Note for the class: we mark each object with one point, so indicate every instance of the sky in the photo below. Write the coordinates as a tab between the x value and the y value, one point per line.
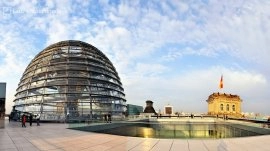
172	52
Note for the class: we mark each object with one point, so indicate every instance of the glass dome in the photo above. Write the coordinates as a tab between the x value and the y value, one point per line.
70	80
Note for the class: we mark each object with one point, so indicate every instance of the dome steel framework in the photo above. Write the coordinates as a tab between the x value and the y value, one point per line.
70	80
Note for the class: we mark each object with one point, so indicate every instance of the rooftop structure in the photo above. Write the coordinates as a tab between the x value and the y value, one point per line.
70	80
149	107
168	110
224	104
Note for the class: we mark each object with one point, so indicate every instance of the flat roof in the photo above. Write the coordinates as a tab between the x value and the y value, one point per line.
56	136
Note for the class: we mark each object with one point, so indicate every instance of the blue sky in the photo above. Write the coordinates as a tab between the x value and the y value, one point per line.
171	51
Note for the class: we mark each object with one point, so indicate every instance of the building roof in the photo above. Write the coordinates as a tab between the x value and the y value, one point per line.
223	95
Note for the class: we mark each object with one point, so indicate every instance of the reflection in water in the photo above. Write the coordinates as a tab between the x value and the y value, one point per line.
145	132
183	130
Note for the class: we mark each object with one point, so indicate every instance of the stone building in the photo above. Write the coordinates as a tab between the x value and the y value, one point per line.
224	104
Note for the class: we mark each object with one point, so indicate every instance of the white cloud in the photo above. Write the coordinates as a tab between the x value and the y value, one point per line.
181	7
14	51
188	92
172	55
148	70
242	29
131	33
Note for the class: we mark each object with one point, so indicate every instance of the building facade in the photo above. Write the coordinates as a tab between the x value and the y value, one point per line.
168	110
134	109
2	103
70	80
224	104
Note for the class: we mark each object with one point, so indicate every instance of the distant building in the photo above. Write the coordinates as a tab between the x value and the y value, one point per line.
149	107
224	104
2	103
168	110
134	109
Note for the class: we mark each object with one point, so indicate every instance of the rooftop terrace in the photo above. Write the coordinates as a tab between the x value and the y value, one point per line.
56	137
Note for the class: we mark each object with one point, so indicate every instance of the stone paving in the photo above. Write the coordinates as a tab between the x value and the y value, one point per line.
54	137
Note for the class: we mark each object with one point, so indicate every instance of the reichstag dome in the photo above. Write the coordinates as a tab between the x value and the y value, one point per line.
70	80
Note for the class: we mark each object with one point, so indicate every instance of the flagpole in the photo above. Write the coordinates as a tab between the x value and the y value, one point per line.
221	84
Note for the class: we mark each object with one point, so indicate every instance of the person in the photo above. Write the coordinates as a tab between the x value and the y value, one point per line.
38	118
9	118
30	119
109	118
105	118
23	120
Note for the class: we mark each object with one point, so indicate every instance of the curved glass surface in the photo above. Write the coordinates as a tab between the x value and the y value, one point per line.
70	80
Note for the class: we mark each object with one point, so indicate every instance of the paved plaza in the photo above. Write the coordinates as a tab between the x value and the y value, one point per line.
56	136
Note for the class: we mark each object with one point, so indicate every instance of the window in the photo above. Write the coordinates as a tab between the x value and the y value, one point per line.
227	107
221	107
233	107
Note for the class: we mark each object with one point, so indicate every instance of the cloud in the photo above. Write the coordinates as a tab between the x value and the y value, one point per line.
146	41
188	91
242	28
172	55
15	52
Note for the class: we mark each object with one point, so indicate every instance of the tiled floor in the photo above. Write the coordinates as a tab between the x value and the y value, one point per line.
56	137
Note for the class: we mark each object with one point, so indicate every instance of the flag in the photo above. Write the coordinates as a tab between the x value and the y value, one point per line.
221	82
